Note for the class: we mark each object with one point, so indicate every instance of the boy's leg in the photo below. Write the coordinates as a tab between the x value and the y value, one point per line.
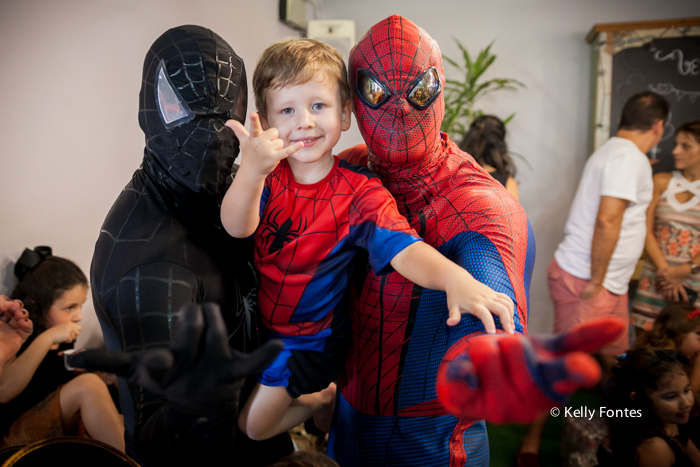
324	416
270	410
86	396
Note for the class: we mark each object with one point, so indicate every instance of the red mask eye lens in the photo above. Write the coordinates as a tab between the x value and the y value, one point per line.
370	89
425	90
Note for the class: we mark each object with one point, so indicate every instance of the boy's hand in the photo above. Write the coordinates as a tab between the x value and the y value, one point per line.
261	151
64	333
479	300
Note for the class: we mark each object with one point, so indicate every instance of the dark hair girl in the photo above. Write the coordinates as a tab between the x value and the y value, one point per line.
486	143
651	397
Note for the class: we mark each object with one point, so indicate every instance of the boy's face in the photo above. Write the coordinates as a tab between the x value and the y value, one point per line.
311	112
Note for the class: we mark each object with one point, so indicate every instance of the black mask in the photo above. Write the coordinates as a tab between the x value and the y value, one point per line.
192	83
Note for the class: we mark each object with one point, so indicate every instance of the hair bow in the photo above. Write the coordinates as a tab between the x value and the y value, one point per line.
29	260
694	314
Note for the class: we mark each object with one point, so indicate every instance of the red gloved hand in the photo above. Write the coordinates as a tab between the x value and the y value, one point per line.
503	378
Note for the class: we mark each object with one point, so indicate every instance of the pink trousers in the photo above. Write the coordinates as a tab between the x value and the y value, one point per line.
570	310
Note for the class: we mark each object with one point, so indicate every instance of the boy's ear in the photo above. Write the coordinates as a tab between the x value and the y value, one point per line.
346	116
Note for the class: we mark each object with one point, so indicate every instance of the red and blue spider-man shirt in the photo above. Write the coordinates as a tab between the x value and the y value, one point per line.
304	246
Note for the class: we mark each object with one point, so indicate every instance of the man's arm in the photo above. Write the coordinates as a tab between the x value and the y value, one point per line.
606	233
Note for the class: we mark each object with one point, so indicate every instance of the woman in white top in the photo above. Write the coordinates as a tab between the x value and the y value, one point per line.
672	270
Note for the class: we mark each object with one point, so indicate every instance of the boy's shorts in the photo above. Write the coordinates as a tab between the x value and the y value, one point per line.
308	364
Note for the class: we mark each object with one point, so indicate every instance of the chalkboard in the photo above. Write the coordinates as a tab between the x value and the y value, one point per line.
670	67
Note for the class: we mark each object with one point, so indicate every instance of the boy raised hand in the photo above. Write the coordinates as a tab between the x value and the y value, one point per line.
261	151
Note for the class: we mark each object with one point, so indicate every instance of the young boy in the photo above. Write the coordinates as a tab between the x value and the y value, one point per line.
310	212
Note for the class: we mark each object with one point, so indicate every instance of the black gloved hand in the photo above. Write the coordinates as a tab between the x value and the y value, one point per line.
199	374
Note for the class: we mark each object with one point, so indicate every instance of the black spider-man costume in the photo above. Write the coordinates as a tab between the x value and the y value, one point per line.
162	247
388	412
305	269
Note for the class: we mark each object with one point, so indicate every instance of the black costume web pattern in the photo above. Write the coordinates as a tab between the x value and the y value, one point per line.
162	245
214	89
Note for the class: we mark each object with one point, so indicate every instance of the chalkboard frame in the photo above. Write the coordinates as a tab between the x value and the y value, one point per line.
608	40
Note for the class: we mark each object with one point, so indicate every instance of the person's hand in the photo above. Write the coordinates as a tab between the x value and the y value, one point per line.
675	293
481	301
591	290
199	375
15	328
261	151
672	275
515	378
63	333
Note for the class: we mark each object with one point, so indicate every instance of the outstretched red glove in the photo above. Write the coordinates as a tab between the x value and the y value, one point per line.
515	378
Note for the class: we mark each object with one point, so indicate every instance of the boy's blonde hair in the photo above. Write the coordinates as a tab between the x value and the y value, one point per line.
297	61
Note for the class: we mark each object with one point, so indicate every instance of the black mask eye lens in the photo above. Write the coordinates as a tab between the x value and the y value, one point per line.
371	90
172	108
426	89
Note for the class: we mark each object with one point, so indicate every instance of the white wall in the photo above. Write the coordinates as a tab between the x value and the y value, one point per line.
541	43
70	72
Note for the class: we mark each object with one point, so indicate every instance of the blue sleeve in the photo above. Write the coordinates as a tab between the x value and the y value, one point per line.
381	243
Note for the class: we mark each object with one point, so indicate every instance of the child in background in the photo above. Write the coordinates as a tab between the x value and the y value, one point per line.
310	213
486	142
39	398
678	328
652	399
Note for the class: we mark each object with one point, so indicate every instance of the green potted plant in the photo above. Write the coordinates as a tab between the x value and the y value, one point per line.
461	95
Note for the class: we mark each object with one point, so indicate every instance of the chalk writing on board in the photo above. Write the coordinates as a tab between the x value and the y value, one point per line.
685	67
631	80
667	88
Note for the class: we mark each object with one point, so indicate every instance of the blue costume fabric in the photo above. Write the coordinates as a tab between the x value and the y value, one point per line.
387	411
304	250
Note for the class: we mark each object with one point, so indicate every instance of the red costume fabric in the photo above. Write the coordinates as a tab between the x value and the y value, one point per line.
304	246
388	412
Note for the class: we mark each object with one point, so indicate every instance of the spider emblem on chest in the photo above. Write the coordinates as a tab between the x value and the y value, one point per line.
277	235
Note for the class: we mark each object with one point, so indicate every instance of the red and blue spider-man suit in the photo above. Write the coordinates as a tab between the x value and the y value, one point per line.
304	247
388	412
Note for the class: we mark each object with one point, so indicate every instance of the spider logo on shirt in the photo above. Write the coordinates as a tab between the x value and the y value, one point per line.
281	234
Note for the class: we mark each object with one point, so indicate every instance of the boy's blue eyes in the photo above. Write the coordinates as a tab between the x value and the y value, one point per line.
289	110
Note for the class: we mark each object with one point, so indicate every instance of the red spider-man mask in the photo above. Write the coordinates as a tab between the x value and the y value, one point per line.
397	75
